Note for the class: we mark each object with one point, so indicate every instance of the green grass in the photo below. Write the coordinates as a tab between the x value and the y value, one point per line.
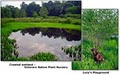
109	50
41	56
7	28
48	19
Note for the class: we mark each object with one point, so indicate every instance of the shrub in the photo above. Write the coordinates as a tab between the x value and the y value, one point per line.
68	20
43	57
76	22
62	16
76	16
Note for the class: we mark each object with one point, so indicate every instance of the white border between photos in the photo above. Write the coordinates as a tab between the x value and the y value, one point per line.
5	69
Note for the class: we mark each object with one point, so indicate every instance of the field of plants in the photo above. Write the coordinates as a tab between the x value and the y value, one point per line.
99	32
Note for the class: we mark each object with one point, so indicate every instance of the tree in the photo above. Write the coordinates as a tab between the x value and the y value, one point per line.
50	8
43	12
34	14
23	6
71	10
99	25
6	12
32	7
15	12
2	12
11	8
22	13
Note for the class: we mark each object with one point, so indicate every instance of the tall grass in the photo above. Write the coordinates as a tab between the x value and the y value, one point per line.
49	19
109	50
41	56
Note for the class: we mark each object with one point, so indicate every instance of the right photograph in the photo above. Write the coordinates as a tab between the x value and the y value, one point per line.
99	47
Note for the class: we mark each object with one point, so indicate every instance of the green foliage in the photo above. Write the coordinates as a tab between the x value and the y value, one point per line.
22	59
43	12
73	10
61	15
31	9
7	48
48	19
102	23
74	52
22	13
56	8
68	20
11	26
50	8
15	13
76	22
109	51
98	27
43	57
35	14
77	16
6	12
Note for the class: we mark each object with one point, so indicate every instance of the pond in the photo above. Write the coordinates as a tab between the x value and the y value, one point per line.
33	40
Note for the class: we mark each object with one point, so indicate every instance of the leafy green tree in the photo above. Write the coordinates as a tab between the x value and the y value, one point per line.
22	13
73	10
11	8
43	12
23	6
15	12
32	7
99	25
56	8
34	14
2	12
6	12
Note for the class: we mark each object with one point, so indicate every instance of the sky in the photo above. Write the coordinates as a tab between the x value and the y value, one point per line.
17	3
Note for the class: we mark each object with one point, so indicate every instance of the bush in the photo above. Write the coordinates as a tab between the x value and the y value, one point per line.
68	20
74	52
76	22
76	16
43	57
61	15
7	49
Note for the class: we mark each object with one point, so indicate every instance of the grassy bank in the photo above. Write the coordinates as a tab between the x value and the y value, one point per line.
68	20
41	56
7	28
8	45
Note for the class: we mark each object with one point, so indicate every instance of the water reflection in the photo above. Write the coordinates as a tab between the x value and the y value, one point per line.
33	40
70	35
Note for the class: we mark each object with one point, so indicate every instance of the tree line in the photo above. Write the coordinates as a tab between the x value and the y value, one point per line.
50	8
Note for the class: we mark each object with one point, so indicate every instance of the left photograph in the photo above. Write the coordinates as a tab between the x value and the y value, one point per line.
41	30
